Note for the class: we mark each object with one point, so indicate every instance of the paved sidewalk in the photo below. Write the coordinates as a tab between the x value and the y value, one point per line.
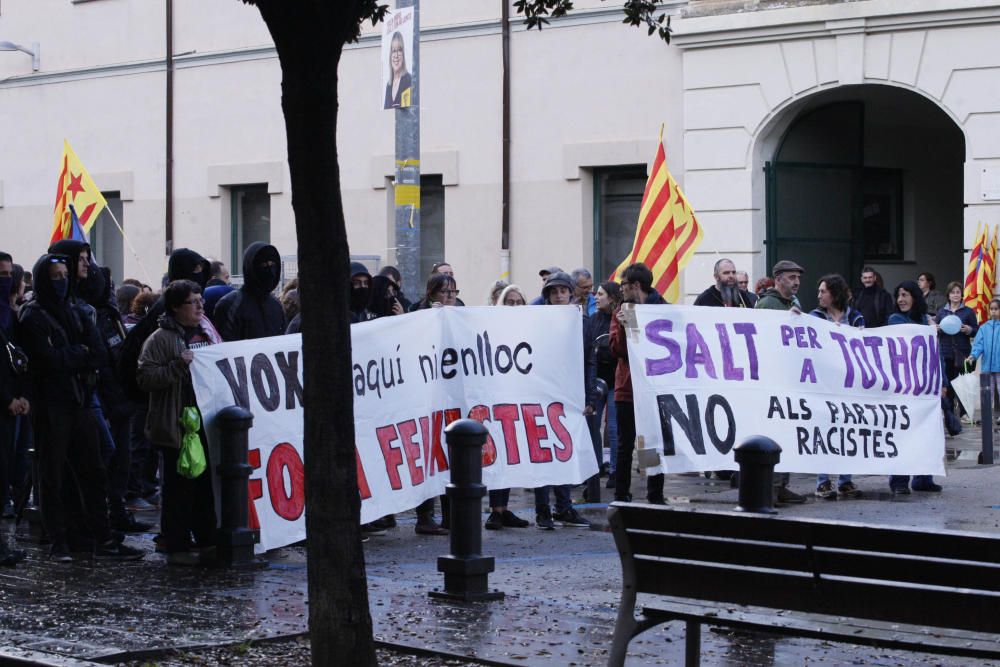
562	589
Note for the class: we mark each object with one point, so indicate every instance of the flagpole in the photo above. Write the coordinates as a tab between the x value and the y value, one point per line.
129	244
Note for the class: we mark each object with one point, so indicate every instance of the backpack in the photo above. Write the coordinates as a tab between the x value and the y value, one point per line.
128	354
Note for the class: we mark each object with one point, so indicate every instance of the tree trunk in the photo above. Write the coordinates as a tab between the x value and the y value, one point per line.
309	36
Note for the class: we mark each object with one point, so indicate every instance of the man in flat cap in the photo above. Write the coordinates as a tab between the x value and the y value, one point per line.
787	278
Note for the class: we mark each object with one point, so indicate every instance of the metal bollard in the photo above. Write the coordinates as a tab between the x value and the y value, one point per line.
235	539
757	456
466	570
986	407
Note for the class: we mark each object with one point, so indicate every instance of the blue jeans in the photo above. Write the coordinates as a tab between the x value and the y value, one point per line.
563	499
612	428
103	432
841	480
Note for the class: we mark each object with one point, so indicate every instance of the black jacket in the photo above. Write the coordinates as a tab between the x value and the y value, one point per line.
184	264
252	311
62	343
12	385
875	304
600	335
713	297
109	325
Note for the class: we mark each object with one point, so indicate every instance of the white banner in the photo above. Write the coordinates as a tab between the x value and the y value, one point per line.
835	398
517	370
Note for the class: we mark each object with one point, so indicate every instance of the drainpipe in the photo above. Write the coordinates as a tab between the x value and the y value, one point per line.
505	177
169	185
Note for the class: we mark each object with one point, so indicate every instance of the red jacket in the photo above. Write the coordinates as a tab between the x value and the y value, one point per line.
619	349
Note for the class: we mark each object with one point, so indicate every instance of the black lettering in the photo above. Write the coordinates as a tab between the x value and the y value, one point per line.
502	367
449	357
802	435
237	381
260	368
517	362
289	369
690	422
723	445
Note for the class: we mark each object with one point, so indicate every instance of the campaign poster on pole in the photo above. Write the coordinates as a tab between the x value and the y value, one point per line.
397	54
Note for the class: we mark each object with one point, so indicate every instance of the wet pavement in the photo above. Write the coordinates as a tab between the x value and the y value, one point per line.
561	587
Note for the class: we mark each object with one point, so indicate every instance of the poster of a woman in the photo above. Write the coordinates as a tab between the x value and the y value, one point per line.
397	51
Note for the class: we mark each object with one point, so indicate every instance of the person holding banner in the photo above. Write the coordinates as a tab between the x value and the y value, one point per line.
910	309
833	295
637	287
726	292
500	517
558	291
188	504
787	279
609	298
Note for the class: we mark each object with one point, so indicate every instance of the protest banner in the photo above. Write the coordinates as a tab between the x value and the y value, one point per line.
519	371
835	398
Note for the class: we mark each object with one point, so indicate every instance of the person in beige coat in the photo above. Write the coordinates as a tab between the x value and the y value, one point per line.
188	504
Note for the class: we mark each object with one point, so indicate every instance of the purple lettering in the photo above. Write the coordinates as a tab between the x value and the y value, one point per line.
748	331
934	363
918	345
848	364
867	372
787	333
808	372
697	353
897	360
874	343
729	370
672	361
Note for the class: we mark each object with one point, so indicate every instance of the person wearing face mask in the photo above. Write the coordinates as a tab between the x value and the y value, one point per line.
253	311
14	405
361	293
66	351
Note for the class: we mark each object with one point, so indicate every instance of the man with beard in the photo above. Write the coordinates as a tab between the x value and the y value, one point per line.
66	351
253	311
725	293
872	301
637	287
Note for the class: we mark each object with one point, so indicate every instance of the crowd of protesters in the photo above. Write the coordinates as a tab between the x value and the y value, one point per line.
96	380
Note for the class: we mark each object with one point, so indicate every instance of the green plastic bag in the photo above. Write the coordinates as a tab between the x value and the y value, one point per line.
191	462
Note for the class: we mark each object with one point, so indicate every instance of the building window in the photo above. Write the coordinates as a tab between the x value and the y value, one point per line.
431	224
617	200
106	240
250	207
883	214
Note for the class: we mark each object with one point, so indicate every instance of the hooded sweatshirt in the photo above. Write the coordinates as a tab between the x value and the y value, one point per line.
772	299
62	343
184	264
253	311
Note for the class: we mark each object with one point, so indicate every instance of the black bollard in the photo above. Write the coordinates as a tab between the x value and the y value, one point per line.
235	539
986	405
757	456
466	570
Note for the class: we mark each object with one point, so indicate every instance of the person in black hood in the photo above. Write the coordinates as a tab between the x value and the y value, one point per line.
361	293
66	351
253	311
14	404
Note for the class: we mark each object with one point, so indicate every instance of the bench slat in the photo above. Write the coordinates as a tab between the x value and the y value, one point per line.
796	591
824	561
831	534
870	633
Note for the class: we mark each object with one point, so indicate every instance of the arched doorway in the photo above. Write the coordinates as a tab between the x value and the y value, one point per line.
867	175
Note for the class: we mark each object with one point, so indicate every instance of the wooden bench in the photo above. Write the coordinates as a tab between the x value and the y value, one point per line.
927	590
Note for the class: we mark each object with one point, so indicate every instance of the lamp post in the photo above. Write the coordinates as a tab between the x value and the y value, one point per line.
33	52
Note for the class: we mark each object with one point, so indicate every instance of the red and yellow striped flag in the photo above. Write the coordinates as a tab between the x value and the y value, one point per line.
667	232
77	188
980	275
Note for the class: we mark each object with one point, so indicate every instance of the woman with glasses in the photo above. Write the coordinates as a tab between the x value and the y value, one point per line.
441	291
188	508
398	89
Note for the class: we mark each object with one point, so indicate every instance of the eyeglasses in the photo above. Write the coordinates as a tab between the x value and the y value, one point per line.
194	302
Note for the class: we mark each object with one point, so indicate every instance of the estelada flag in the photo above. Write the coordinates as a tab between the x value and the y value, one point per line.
76	187
667	232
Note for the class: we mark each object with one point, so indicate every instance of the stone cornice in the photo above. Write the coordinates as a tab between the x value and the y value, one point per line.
830	20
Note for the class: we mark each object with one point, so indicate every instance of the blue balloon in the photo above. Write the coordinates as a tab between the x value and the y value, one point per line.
951	325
